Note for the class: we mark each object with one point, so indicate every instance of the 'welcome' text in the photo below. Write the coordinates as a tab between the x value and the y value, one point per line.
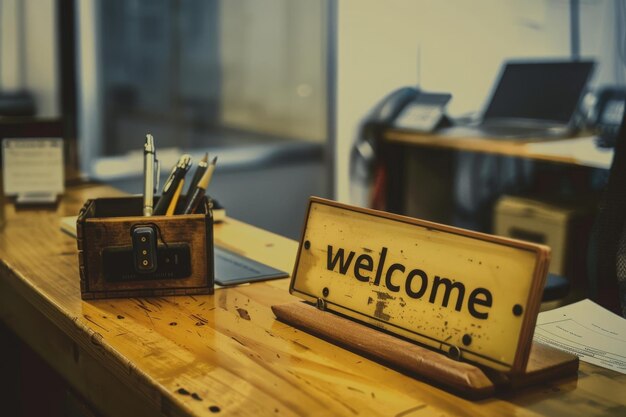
413	283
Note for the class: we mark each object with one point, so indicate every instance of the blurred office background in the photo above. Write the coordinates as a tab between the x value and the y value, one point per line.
278	89
243	80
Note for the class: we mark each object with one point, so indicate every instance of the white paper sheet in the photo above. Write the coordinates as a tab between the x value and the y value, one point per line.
583	150
587	330
33	166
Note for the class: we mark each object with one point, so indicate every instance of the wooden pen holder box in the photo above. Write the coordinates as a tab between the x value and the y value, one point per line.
124	254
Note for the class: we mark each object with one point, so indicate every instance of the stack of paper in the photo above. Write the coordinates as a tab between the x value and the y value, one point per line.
586	330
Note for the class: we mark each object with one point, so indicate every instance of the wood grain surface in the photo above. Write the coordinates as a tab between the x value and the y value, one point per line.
545	362
406	356
224	354
508	147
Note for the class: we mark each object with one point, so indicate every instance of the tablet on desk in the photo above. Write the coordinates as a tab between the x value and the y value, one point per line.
233	269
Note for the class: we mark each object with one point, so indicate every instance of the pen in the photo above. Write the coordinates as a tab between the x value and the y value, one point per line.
200	170
171	185
149	187
200	189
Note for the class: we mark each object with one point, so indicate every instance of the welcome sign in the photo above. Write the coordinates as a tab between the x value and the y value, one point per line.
470	295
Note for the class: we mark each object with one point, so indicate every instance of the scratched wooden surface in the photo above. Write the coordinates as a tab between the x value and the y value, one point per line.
224	354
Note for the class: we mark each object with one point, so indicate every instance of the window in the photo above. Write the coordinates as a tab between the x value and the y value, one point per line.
245	80
201	73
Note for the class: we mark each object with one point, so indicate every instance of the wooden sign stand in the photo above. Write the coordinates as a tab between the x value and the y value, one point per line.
452	306
468	380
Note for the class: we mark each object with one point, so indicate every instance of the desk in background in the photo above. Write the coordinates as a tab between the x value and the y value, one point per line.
395	144
575	151
224	354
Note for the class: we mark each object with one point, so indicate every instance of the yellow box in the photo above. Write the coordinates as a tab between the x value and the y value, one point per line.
541	222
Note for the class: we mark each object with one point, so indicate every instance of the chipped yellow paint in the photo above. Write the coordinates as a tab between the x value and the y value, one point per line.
454	290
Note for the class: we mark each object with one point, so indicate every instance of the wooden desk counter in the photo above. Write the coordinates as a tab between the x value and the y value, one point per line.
223	354
399	147
573	151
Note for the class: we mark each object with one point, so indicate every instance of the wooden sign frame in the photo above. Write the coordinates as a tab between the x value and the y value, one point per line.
540	253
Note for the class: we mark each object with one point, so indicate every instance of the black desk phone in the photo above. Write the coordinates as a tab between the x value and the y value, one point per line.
406	108
607	114
410	108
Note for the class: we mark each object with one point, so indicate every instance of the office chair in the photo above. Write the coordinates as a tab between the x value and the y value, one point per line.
607	257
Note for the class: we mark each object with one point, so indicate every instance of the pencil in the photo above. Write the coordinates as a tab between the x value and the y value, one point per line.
200	190
210	170
200	170
172	207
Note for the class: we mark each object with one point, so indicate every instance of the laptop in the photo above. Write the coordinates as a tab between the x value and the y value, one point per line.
534	100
